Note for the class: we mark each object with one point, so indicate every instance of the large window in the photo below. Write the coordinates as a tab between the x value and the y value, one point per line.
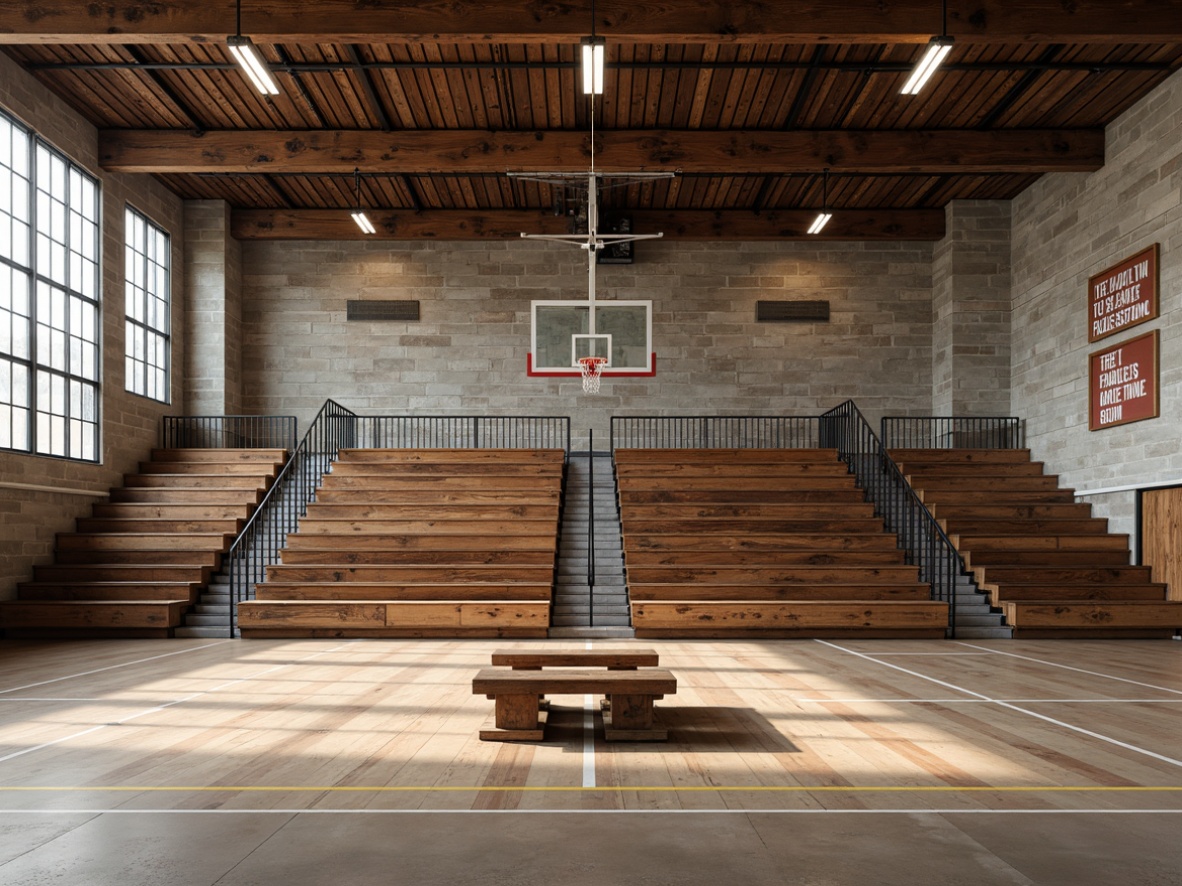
49	299
147	293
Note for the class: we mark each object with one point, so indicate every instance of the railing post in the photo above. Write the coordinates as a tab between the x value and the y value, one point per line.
591	527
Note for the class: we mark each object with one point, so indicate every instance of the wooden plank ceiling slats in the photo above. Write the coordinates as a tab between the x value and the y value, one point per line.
673	86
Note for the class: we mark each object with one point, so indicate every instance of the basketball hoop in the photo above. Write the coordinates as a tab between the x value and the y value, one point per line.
592	368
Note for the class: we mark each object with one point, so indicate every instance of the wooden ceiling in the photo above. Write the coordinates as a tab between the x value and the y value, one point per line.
749	102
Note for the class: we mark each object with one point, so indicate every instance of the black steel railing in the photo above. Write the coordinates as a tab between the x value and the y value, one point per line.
919	535
265	534
228	432
948	432
462	432
714	432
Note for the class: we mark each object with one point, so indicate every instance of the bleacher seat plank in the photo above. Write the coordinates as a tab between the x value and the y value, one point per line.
792	471
109	590
999	496
108	614
758	618
150	525
500	456
1127	614
57	572
181	454
729	483
748	524
721	541
167	496
976	456
629	455
629	496
437	526
399	574
376	513
413	469
772	575
143	541
772	511
811	557
472	618
429	541
830	590
1023	592
222	469
421	591
191	481
211	559
1070	574
438	499
374	485
973	559
334	554
198	511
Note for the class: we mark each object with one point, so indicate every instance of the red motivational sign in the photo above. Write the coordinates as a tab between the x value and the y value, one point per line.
1123	295
1124	383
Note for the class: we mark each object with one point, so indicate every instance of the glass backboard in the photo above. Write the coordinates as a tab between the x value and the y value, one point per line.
563	331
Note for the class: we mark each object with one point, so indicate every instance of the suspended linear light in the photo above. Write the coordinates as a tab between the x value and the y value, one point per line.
934	55
359	215
248	58
932	58
824	215
593	55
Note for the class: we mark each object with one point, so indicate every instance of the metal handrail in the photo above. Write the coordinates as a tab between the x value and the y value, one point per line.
924	543
265	533
714	432
953	432
463	432
228	432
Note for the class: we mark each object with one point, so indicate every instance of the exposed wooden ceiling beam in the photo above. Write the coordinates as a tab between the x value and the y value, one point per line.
336	224
470	151
646	21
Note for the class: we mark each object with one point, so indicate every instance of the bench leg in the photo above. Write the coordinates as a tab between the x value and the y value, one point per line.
517	719
630	718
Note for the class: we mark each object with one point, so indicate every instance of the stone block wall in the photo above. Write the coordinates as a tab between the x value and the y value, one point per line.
1066	228
971	311
213	319
467	354
42	496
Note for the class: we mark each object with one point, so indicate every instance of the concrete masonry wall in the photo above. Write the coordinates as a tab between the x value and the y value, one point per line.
467	354
1066	228
42	496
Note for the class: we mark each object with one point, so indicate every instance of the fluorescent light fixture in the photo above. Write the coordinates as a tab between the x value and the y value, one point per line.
364	223
593	49
820	221
934	55
247	56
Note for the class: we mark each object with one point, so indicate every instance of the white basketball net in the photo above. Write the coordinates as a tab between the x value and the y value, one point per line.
592	368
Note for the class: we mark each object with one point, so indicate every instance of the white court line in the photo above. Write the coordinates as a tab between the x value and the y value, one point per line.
940	654
114	667
533	811
1054	664
987	700
588	737
1012	707
167	705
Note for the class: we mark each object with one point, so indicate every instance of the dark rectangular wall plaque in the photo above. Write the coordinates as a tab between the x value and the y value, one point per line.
792	312
382	310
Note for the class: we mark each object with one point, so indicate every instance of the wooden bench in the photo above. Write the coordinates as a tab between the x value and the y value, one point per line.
630	694
612	659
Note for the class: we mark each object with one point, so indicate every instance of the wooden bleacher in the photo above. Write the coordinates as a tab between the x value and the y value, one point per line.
762	543
1051	567
139	562
419	543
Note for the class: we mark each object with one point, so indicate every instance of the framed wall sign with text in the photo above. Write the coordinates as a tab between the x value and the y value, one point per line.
1123	295
1123	383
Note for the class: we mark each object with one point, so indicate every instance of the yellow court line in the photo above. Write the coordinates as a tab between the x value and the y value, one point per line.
832	789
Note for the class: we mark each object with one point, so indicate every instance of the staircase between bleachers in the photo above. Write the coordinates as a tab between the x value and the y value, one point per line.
580	609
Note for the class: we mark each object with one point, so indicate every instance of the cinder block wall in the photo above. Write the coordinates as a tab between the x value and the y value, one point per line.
1066	228
467	354
42	496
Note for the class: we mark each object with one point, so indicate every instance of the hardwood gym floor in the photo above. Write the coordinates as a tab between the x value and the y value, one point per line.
813	762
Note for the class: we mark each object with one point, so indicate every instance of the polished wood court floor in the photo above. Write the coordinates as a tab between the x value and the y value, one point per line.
314	761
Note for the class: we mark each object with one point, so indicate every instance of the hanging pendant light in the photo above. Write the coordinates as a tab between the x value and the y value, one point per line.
824	215
249	59
359	215
937	50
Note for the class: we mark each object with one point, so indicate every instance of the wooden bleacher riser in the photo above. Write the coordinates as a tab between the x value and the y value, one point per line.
419	543
762	543
1052	569
141	560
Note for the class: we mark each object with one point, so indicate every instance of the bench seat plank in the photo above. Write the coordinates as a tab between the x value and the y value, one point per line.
612	659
